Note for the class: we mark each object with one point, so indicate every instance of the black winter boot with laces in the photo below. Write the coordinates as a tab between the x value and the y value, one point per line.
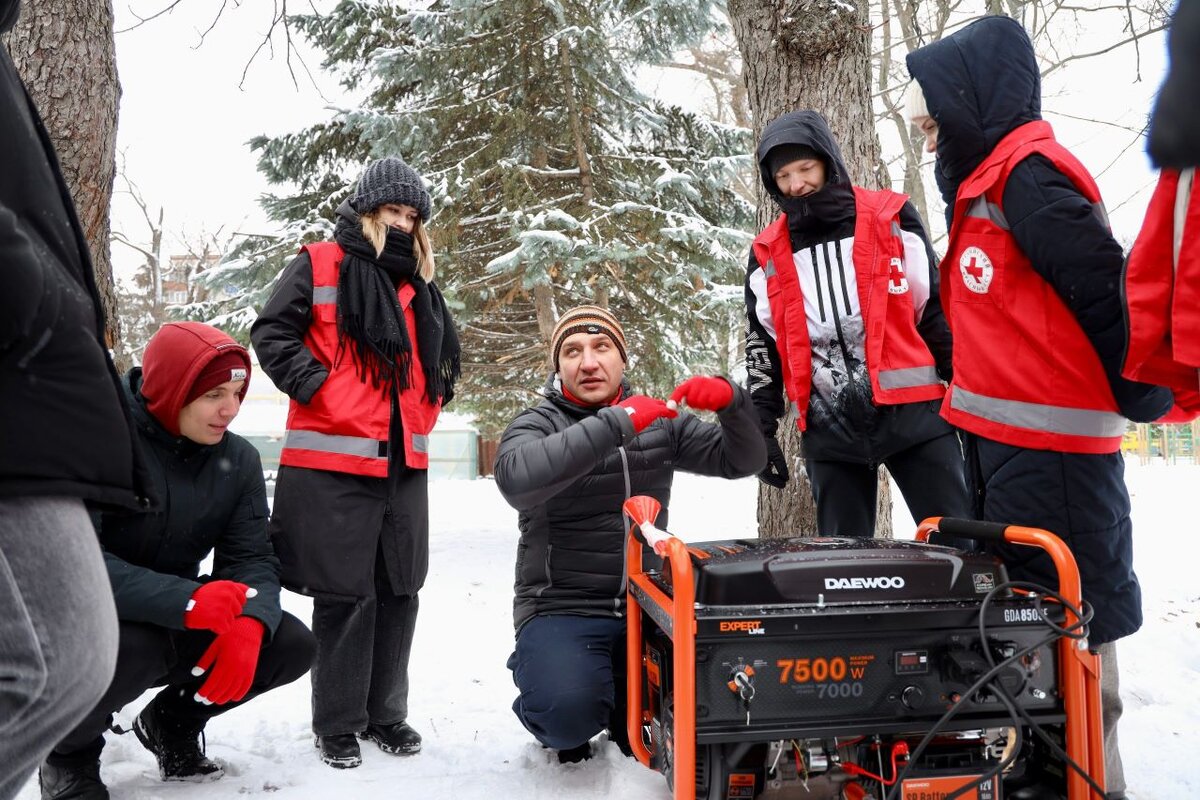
176	743
67	779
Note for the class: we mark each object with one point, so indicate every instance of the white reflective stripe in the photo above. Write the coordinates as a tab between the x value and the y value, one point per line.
420	443
1039	417
769	269
324	295
907	378
980	208
1183	193
359	446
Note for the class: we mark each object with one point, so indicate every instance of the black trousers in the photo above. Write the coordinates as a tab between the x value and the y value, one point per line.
931	476
360	675
149	655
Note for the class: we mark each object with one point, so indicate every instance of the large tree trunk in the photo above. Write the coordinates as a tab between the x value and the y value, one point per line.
65	53
799	54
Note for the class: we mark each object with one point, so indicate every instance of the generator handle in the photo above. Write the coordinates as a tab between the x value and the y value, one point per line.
965	528
679	607
1079	668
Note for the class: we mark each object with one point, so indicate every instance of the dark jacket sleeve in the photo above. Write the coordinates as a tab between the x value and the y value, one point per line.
143	595
731	448
932	326
278	333
1071	247
764	373
243	552
534	463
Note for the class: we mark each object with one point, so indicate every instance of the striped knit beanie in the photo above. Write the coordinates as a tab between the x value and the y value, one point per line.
587	319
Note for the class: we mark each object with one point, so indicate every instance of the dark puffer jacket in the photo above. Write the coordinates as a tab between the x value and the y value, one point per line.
212	498
567	470
62	424
976	105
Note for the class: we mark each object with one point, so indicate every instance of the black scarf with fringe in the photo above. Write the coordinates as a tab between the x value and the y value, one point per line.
371	323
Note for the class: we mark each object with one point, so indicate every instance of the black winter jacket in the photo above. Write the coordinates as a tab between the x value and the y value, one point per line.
63	426
212	499
1055	226
1175	125
844	424
568	469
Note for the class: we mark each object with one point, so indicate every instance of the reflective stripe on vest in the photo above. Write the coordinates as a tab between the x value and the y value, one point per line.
980	208
1039	417
907	378
769	269
420	443
324	295
357	446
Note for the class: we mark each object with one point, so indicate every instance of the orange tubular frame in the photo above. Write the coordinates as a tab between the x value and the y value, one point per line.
1078	667
680	609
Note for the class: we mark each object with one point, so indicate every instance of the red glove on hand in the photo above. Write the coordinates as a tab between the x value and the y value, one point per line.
214	606
643	410
233	656
705	393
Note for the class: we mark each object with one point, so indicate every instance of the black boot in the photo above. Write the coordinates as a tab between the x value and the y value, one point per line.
399	739
175	742
574	755
340	751
72	780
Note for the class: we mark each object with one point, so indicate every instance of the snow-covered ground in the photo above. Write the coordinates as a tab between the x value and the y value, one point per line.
461	691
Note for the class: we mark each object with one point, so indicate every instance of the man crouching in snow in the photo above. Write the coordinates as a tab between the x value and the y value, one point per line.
566	465
213	643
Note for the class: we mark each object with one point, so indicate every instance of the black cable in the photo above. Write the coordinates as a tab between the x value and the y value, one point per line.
1069	632
1009	706
958	706
1076	630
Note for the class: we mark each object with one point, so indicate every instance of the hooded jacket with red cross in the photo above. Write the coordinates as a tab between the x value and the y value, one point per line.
842	311
1026	372
336	421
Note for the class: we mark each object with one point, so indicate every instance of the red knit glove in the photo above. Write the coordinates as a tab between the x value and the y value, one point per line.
643	410
214	606
233	656
705	393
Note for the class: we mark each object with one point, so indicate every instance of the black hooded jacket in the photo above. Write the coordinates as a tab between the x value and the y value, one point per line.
980	84
212	500
568	469
844	424
64	428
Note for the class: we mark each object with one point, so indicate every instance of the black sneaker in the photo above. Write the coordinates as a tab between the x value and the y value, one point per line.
574	755
177	745
399	739
67	780
340	750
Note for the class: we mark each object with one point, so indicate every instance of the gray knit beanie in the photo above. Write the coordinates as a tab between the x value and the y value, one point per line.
390	180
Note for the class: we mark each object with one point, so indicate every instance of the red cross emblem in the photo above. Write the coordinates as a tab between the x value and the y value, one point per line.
897	282
976	269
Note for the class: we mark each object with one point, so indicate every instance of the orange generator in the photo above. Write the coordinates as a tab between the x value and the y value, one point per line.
859	668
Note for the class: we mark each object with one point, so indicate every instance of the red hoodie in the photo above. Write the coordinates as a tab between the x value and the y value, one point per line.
174	359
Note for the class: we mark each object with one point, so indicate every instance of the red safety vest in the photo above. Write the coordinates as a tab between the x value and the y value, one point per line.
1162	294
345	426
898	360
1025	373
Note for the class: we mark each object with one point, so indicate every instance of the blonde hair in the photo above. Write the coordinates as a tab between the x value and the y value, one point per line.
376	233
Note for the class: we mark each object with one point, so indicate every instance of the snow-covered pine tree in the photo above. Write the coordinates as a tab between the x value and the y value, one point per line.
555	179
